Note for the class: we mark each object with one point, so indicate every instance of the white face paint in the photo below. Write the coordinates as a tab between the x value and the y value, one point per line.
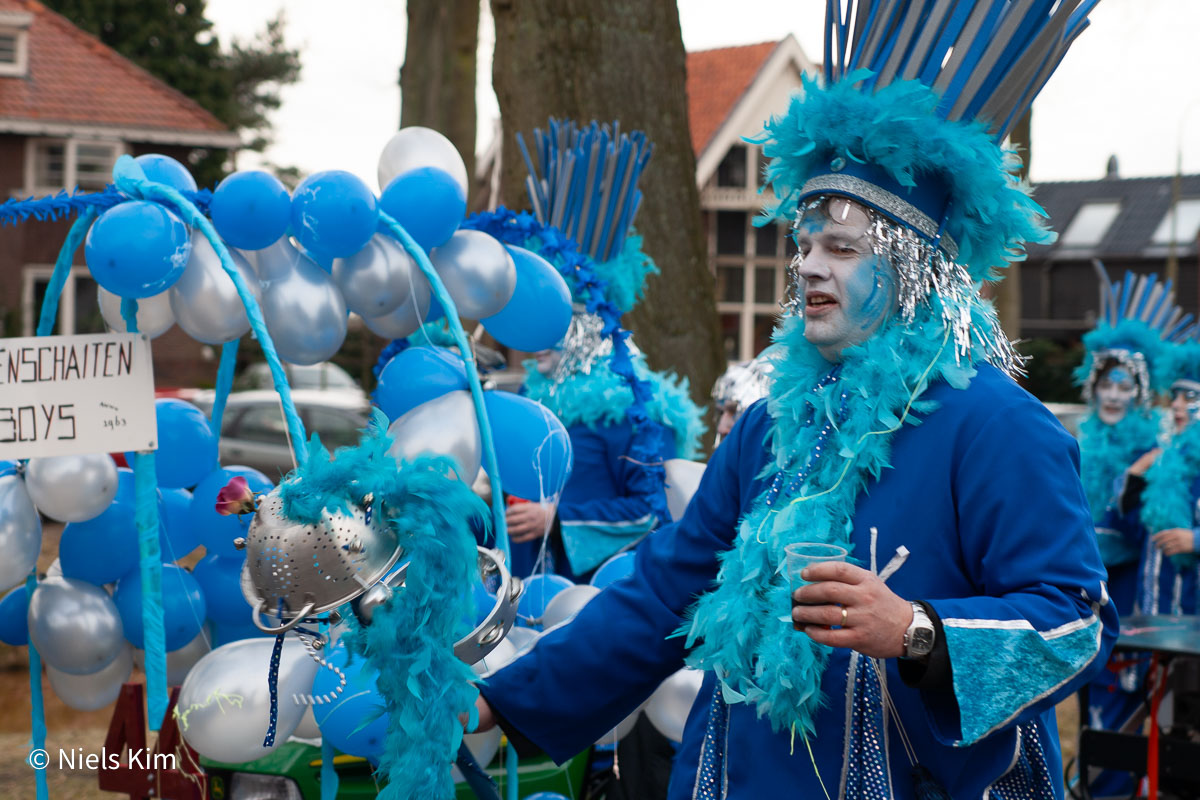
547	360
1115	391
1185	403
848	290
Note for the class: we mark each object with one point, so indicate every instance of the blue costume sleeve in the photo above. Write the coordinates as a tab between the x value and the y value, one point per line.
582	679
596	526
1041	617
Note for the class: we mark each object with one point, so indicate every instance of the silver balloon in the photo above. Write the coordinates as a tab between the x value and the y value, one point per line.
501	654
416	147
522	638
304	311
97	689
55	569
307	729
154	314
445	425
483	747
20	532
75	626
563	607
224	704
72	488
377	279
669	706
274	262
478	272
622	729
204	299
682	480
181	661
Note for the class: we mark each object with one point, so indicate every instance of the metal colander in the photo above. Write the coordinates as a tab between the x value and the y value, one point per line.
295	570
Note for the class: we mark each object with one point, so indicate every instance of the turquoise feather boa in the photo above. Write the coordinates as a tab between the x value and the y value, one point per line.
602	397
739	630
1167	499
1106	451
410	640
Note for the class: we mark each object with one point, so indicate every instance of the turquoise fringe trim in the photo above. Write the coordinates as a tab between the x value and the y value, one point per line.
1106	451
602	397
736	629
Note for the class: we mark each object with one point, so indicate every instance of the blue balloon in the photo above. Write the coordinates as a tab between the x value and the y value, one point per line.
546	796
539	313
14	621
214	531
187	445
417	375
164	169
614	569
220	579
224	633
182	602
176	538
533	450
137	249
427	202
251	209
102	549
334	214
355	722
539	590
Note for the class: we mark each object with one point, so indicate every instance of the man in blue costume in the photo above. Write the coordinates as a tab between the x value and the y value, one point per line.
741	385
977	600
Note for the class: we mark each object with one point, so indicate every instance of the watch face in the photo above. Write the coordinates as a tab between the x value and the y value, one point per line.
921	643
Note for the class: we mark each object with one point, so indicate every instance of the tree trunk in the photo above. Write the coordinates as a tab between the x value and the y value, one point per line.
437	81
620	60
1008	292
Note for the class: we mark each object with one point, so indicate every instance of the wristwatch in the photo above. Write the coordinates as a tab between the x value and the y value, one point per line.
918	639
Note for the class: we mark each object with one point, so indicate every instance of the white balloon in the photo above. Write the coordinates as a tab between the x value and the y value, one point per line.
154	315
672	701
204	299
416	147
94	690
307	729
224	704
75	626
445	425
303	309
478	272
181	661
55	569
563	607
503	653
72	488
683	478
522	638
377	279
622	729
483	747
20	532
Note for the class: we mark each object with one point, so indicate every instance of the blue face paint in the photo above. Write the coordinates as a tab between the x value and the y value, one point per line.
874	280
1119	375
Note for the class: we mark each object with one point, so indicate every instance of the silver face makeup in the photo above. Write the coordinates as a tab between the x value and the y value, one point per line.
1185	403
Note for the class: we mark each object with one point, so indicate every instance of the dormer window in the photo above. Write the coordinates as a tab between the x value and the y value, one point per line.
14	43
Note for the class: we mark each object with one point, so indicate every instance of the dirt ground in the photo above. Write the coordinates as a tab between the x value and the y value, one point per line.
69	729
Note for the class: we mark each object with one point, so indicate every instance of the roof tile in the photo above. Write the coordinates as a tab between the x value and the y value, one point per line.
716	80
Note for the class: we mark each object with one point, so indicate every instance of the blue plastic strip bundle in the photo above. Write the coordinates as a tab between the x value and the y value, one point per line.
62	205
146	519
329	776
37	712
62	271
510	765
460	338
579	272
132	181
225	372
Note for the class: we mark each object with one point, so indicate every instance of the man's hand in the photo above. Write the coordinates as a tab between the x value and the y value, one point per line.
487	720
1142	464
528	521
871	617
1174	541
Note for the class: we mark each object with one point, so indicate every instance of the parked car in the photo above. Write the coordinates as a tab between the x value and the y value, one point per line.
325	376
1069	414
254	434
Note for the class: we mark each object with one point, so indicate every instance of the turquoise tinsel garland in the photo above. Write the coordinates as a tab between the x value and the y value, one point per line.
762	661
1167	499
1106	451
602	397
410	640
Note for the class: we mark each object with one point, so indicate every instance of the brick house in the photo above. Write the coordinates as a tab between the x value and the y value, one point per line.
69	107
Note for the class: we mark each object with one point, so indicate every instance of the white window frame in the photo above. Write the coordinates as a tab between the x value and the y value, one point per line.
31	312
71	147
19	67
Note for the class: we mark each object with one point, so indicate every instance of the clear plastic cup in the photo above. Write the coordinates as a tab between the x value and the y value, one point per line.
802	554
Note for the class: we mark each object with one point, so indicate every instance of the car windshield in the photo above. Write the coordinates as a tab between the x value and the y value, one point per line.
318	376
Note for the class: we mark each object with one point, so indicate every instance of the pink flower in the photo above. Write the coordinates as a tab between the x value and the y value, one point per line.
235	498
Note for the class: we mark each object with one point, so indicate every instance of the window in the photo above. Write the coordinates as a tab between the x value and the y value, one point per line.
78	305
336	428
731	232
56	164
14	53
731	172
731	284
8	47
1090	223
262	424
1186	225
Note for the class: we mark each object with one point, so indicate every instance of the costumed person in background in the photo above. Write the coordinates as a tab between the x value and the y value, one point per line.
742	385
1121	375
980	600
624	419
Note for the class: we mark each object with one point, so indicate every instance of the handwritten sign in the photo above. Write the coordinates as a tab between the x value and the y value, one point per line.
65	395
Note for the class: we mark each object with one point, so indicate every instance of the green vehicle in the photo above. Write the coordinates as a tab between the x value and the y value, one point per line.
293	772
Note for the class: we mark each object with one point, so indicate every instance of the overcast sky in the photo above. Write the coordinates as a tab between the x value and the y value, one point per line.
1129	86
